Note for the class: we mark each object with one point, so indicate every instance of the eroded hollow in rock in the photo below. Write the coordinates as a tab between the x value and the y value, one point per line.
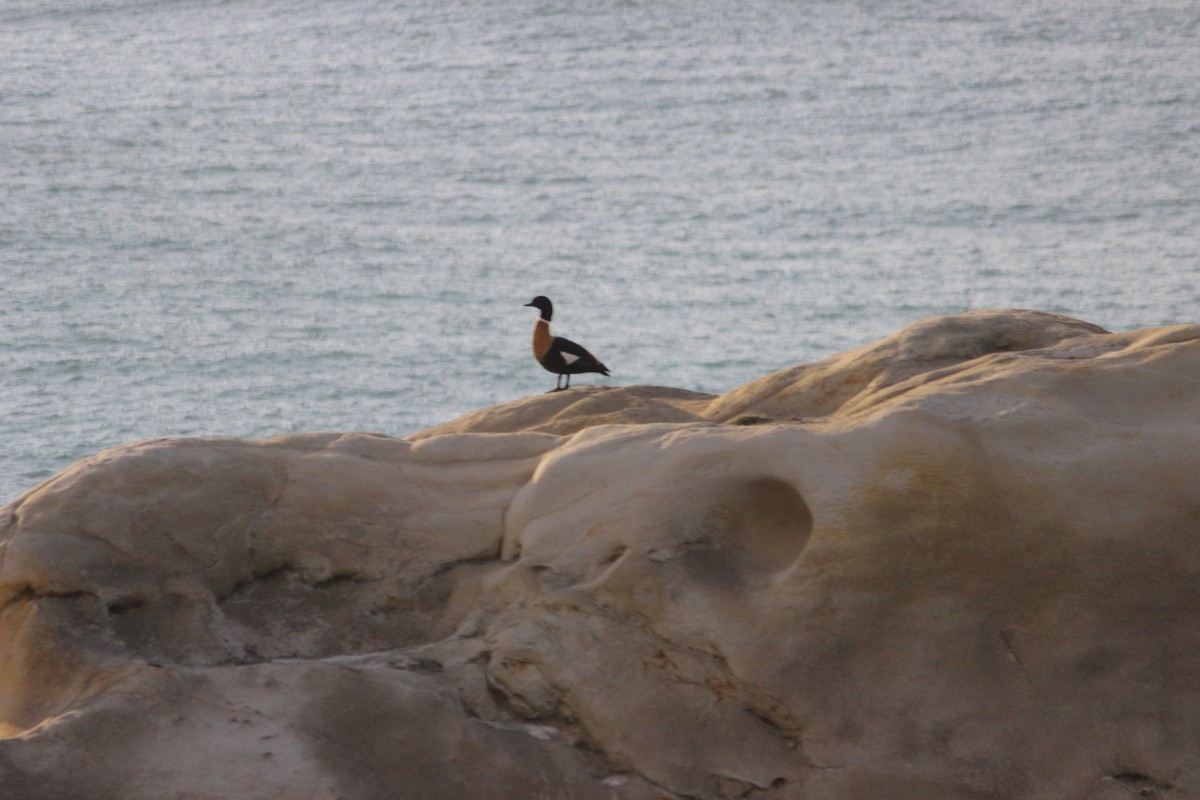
754	527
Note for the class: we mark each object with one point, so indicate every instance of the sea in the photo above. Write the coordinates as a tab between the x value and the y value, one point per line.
255	217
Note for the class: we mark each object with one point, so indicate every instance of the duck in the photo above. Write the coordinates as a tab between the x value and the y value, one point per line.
558	355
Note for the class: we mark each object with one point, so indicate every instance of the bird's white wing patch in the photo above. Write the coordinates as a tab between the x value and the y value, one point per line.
570	358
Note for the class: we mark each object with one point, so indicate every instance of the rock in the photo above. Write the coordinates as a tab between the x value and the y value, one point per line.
955	563
583	407
920	354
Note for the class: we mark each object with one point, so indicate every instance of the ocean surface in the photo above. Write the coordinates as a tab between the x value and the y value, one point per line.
254	217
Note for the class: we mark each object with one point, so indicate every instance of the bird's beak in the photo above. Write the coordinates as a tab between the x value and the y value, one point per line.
528	305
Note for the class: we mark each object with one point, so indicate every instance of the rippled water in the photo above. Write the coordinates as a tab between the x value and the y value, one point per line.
246	218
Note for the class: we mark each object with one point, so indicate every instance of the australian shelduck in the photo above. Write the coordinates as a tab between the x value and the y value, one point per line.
558	355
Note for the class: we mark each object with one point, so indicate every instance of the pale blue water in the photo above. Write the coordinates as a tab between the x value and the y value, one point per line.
247	218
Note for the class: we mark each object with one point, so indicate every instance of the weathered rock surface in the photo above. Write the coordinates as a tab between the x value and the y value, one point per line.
961	562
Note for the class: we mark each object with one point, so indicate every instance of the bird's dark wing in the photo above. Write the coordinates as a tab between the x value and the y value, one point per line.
574	357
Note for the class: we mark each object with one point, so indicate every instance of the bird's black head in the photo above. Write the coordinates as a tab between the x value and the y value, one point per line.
543	305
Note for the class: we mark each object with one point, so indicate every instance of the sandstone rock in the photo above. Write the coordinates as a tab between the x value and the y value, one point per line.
959	563
583	407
